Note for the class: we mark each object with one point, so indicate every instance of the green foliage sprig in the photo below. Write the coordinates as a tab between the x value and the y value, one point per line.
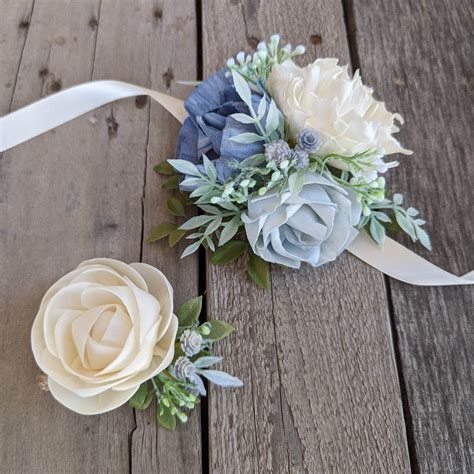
178	388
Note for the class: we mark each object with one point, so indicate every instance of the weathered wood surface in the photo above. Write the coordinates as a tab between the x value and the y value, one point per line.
317	352
321	388
418	57
79	192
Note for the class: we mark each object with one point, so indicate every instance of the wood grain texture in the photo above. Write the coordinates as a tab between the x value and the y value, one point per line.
418	57
321	391
75	193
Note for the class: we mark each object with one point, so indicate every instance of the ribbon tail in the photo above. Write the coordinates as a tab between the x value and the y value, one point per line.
52	111
398	262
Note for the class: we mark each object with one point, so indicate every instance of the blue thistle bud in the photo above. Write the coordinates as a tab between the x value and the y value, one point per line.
301	158
309	140
277	151
184	369
190	342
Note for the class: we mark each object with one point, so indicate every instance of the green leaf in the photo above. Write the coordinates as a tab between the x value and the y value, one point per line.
243	118
141	398
229	252
273	118
424	238
296	181
377	231
259	271
213	226
253	161
191	249
189	312
164	168
196	221
210	168
397	199
165	418
242	88
160	232
262	107
171	183
175	207
219	330
247	138
405	224
184	167
229	230
175	237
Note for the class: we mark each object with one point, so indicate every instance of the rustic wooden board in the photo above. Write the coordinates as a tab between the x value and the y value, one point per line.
418	57
321	389
79	192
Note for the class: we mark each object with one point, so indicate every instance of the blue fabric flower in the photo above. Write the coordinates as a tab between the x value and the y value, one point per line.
209	128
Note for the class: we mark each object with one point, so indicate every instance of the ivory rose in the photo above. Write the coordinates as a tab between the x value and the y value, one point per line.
349	120
101	331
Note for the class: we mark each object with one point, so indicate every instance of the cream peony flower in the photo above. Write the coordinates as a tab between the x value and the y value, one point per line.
101	331
322	96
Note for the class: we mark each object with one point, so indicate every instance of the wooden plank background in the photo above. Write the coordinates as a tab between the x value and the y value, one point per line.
345	370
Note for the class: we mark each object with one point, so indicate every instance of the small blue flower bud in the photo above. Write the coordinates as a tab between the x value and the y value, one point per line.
300	49
262	46
230	62
277	151
308	140
240	57
275	39
301	158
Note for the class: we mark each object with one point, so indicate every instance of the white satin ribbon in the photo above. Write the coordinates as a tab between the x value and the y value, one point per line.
24	124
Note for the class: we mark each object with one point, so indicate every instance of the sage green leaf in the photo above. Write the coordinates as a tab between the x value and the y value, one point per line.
253	161
191	249
377	231
184	167
171	183
219	330
243	118
242	88
296	182
213	226
139	398
229	230
247	138
176	236
175	207
259	271
273	118
405	224
210	168
424	238
196	221
228	253
262	107
164	168
165	418
189	312
160	232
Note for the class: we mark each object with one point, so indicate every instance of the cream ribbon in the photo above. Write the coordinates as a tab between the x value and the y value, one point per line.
24	124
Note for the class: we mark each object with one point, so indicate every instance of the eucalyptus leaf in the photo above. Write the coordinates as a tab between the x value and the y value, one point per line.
273	118
191	249
210	168
206	361
243	118
377	231
160	232
229	230
259	271
219	330
424	238
229	252
164	168
242	88
223	379
175	207
247	138
196	221
189	312
185	167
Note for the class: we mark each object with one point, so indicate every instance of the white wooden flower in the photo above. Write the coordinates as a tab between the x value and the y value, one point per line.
349	120
101	331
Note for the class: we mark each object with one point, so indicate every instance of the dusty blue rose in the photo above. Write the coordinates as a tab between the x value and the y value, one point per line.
209	128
